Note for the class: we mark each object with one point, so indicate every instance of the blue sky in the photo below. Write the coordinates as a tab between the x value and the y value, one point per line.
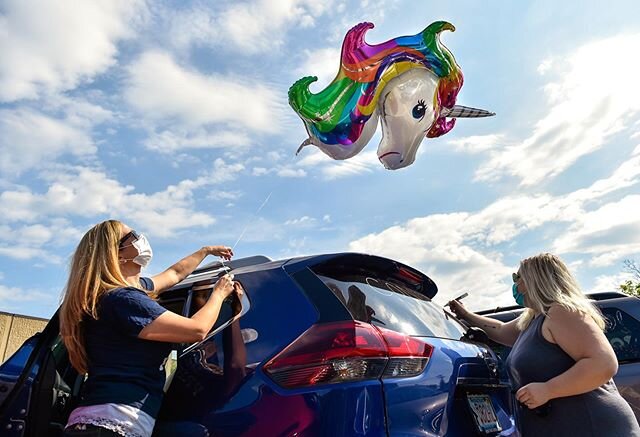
173	118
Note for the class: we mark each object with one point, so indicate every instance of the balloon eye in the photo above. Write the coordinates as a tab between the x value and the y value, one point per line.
419	110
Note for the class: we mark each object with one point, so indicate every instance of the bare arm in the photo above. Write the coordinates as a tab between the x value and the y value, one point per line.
582	340
173	328
186	266
500	332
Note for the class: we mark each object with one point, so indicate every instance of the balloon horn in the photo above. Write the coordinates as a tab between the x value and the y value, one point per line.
459	111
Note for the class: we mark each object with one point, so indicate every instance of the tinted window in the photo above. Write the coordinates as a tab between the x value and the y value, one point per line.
230	308
173	305
392	305
623	332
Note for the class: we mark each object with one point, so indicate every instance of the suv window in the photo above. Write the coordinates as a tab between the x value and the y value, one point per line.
392	305
174	305
231	310
623	332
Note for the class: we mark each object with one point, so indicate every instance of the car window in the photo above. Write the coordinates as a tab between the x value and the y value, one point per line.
392	305
231	310
623	332
174	305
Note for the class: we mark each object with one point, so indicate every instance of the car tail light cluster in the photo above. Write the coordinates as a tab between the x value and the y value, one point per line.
347	351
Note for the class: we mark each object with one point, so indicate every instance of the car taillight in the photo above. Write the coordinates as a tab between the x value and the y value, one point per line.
408	356
347	351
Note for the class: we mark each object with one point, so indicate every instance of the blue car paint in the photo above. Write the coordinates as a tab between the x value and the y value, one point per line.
286	300
14	406
420	406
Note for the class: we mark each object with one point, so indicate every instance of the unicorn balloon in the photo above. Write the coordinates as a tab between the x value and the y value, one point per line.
410	83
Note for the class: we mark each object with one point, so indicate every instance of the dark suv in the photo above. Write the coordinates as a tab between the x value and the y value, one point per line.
329	345
622	313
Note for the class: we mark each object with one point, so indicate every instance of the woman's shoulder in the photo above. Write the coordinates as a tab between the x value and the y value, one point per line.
563	317
129	305
124	294
557	310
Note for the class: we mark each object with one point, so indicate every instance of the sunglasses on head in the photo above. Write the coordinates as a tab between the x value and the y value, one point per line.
127	236
515	277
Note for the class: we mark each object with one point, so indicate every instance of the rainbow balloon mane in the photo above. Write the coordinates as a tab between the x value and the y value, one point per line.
338	114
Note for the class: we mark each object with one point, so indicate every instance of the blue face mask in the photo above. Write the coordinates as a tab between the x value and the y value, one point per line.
519	297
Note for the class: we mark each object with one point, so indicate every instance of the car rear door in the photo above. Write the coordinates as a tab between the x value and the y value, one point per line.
461	382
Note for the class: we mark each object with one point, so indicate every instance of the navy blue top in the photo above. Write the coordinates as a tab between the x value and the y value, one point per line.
124	369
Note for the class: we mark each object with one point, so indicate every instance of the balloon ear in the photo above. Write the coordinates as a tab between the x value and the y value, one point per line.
459	111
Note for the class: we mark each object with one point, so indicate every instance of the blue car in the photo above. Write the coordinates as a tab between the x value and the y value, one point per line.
330	345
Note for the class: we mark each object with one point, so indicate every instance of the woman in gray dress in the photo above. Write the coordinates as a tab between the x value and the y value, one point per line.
561	363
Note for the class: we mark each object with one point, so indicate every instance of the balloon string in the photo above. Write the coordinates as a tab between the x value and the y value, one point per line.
247	225
256	212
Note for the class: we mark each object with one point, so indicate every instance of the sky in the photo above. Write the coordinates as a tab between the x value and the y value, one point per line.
173	117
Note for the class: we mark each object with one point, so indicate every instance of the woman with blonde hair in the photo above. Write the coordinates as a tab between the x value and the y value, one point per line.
561	363
117	334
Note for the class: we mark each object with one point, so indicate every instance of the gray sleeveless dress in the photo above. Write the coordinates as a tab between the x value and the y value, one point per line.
601	412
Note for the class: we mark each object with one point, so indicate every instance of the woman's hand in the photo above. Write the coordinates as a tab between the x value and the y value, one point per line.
224	286
236	303
533	395
223	252
458	309
237	287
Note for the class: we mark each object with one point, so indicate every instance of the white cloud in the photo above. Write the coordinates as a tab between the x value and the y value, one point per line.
364	162
477	143
609	233
169	141
51	46
194	100
586	106
16	294
91	193
252	26
609	282
20	300
287	172
224	195
626	175
322	63
437	245
544	66
30	138
302	221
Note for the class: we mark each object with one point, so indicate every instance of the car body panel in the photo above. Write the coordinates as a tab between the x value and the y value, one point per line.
421	406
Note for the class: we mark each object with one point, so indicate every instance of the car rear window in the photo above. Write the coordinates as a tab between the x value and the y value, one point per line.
391	305
623	332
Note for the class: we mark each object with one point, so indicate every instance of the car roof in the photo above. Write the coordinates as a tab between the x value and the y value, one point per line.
213	270
598	297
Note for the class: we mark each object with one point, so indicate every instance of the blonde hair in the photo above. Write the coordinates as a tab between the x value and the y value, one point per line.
93	272
548	281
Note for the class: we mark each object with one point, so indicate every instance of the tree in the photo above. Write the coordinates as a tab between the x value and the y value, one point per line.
631	286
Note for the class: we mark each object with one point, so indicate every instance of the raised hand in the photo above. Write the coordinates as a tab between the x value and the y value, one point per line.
223	252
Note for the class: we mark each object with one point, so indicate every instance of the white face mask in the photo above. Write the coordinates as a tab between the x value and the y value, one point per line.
144	251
